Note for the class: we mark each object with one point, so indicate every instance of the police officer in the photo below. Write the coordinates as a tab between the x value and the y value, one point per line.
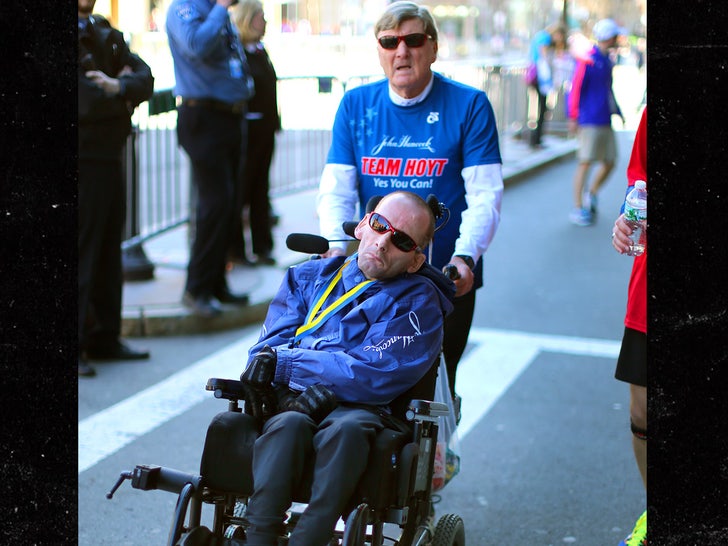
112	81
213	85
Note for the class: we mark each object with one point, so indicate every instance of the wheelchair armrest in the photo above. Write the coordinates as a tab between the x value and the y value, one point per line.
230	389
148	477
425	410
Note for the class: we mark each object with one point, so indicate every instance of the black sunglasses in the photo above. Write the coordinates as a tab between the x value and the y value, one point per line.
400	239
410	40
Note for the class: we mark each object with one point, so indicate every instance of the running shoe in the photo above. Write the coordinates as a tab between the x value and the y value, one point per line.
638	536
592	200
581	217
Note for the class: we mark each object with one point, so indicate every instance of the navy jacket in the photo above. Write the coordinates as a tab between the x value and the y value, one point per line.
373	349
105	122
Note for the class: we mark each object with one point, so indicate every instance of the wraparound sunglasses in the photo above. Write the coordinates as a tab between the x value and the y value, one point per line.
400	239
410	40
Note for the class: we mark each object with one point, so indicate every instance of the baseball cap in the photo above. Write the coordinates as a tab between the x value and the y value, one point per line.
606	29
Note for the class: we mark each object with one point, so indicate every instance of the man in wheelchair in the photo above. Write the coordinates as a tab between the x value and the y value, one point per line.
343	338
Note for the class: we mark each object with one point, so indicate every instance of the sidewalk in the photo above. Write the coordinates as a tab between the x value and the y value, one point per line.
153	307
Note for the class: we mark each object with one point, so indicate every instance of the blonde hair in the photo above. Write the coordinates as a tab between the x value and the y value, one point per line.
242	16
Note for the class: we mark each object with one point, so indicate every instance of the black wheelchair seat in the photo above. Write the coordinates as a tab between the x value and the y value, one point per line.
227	457
227	460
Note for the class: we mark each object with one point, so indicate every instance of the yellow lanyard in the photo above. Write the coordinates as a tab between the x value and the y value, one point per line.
314	321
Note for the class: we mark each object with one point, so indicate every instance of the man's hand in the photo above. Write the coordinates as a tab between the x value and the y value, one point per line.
260	398
334	251
620	235
464	283
111	86
126	71
262	369
316	401
261	402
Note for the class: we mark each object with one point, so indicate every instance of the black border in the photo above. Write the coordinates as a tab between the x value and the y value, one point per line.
687	272
38	258
688	268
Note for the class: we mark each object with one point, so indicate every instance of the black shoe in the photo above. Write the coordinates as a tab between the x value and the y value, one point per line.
235	299
265	259
84	369
238	259
117	351
203	306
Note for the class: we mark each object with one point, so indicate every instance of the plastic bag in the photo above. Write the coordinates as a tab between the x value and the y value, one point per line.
447	452
531	74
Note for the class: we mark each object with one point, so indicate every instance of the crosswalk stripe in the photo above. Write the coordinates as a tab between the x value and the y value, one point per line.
500	356
488	369
108	431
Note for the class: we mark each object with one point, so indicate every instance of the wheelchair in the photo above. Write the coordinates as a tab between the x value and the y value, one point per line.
396	488
394	495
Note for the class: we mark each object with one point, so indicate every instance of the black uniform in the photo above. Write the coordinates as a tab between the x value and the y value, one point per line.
263	123
103	126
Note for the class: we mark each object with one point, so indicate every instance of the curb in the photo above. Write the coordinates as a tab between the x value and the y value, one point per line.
176	320
173	319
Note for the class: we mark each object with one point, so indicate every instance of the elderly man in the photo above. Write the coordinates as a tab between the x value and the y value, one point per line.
422	132
343	338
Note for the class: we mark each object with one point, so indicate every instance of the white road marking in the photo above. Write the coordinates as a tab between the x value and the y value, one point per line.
108	431
486	372
500	356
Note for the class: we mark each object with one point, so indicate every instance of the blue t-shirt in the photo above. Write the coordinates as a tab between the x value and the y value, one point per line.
420	148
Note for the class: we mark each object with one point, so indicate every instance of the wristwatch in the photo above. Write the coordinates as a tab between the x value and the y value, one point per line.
467	259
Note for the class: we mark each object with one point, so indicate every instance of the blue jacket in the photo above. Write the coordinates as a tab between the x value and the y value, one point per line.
208	59
591	100
370	351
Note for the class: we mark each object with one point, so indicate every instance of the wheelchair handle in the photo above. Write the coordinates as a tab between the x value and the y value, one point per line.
451	272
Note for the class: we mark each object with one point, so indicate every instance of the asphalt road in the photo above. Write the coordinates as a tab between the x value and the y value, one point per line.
545	442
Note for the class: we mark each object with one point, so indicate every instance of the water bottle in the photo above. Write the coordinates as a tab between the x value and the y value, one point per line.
635	212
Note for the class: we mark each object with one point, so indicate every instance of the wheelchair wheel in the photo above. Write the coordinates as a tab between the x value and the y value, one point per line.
199	536
450	531
355	528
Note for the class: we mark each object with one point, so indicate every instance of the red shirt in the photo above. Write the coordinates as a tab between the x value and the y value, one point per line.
637	292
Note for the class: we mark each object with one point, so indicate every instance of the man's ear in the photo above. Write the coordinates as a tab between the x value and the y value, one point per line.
417	261
360	226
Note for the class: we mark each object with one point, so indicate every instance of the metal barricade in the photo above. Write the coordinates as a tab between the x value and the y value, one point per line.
158	171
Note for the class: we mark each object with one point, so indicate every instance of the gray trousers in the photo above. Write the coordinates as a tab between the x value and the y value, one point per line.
290	446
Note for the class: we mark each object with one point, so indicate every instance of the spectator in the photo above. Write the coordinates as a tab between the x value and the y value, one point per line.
541	83
562	65
419	130
591	106
334	380
632	362
554	68
112	81
214	84
263	123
